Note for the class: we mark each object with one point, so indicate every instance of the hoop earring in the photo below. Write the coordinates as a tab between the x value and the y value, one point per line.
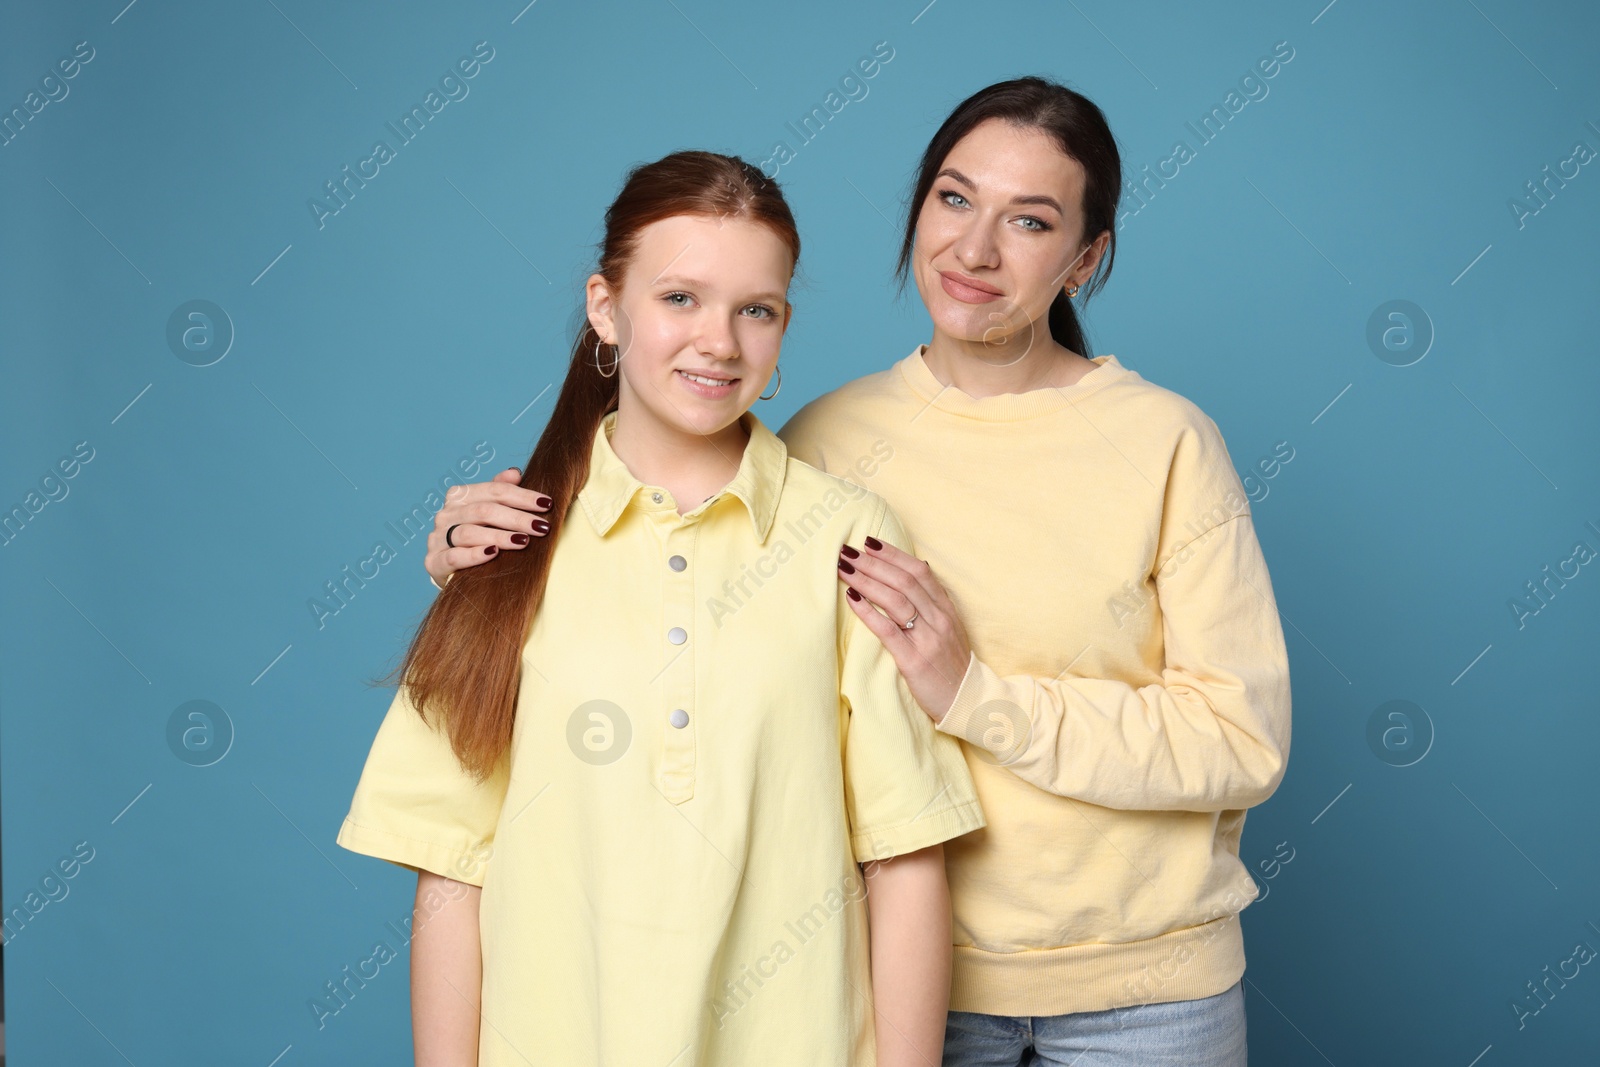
779	372
614	362
1072	291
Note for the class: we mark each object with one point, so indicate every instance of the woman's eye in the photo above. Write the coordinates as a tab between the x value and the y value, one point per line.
1039	225
949	195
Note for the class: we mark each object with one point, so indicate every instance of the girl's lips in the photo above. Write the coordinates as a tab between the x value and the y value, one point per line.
965	293
711	392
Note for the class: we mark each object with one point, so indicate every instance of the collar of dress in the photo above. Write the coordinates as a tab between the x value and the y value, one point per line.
757	484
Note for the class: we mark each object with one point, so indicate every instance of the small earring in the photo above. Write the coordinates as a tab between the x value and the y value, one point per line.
614	362
779	372
1072	291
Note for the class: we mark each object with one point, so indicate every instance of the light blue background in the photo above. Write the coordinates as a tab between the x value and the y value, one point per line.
430	312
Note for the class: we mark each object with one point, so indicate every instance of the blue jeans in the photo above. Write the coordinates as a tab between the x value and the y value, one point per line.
1208	1032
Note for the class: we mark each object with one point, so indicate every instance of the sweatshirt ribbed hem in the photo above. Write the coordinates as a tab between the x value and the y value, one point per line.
1185	964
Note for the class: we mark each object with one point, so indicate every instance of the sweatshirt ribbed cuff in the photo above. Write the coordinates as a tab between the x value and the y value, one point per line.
984	714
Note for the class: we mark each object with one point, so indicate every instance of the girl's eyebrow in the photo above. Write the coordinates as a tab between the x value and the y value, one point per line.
696	283
1047	201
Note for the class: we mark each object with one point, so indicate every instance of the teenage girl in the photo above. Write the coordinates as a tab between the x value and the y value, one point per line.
1093	614
636	765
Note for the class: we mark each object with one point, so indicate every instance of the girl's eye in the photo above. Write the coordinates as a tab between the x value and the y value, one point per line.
669	299
947	194
766	312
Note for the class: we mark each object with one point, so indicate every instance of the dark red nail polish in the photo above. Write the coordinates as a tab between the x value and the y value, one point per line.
540	526
844	565
847	550
490	550
852	594
544	502
519	539
874	544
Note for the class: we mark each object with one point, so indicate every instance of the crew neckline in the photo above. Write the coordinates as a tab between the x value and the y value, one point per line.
1005	406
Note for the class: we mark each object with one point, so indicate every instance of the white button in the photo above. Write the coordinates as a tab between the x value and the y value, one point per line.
680	718
677	563
677	635
656	497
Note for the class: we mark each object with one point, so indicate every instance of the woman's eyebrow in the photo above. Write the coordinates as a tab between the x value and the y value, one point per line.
1039	198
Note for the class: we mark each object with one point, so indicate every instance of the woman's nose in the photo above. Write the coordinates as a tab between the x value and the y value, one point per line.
975	247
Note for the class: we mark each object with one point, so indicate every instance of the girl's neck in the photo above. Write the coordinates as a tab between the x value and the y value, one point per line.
690	466
1030	359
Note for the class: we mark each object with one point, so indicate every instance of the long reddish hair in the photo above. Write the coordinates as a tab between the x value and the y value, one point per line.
465	662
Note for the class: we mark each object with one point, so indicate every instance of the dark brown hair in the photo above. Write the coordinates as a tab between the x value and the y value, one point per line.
1080	130
464	664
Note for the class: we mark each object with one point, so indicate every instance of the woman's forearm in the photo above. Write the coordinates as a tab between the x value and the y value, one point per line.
908	906
446	972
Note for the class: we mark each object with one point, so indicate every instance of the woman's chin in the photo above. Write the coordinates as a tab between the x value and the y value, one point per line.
965	329
995	329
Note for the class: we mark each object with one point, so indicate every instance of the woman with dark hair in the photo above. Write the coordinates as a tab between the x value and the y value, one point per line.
634	784
1091	613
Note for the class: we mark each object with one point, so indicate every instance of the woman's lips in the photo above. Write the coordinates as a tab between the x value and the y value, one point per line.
964	292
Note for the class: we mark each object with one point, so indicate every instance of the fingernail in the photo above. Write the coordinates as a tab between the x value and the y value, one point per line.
540	526
544	502
847	550
517	469
519	539
844	565
874	544
491	550
852	594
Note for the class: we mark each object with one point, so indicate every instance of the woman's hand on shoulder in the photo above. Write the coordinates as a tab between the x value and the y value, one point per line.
487	517
933	655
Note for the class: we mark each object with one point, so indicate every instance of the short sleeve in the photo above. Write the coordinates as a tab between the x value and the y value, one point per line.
907	786
416	806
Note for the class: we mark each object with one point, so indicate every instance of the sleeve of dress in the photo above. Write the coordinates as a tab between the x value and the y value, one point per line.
906	785
417	807
1213	735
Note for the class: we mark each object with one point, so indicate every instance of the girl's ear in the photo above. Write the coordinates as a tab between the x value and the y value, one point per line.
598	301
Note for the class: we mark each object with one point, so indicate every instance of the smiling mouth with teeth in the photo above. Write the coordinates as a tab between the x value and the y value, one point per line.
702	379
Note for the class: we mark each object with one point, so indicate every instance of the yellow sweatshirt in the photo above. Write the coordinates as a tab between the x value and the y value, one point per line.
1128	694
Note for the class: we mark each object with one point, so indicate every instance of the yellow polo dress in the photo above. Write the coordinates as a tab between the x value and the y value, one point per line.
707	743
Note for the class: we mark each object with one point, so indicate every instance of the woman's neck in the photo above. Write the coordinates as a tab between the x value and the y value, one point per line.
1030	359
